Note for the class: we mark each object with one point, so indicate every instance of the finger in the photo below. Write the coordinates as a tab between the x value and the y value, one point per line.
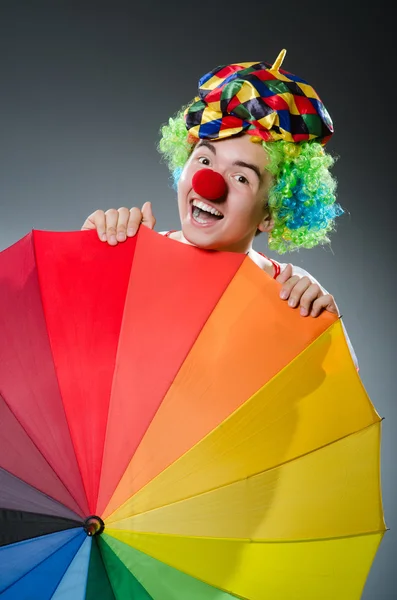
308	297
288	286
96	220
147	215
285	275
298	290
134	221
112	217
325	302
122	222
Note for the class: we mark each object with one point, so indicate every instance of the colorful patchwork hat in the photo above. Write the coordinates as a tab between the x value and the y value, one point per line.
260	99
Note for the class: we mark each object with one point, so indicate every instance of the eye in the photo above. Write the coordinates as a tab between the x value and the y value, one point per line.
241	179
204	160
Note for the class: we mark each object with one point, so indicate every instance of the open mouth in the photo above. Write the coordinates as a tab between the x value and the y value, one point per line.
204	213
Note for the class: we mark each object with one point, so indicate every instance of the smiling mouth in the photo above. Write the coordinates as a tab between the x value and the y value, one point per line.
205	214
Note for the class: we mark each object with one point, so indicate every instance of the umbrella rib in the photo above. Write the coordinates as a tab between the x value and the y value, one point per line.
260	540
322	539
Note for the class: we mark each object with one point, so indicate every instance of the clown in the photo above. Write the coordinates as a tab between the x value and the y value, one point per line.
247	156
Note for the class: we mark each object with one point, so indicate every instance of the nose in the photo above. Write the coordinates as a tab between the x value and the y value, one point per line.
209	184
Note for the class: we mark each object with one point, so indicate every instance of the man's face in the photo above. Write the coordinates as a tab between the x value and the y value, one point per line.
242	164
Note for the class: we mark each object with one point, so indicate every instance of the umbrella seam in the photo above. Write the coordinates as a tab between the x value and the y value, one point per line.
257	540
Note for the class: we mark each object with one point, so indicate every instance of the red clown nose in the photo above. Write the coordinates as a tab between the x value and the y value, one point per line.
209	184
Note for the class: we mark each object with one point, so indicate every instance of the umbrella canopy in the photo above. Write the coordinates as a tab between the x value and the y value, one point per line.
171	430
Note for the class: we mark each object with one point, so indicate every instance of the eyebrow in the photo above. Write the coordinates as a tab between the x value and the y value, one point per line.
237	163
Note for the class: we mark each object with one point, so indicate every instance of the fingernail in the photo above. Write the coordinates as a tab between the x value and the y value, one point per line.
112	239
291	302
103	237
304	312
121	236
283	295
130	232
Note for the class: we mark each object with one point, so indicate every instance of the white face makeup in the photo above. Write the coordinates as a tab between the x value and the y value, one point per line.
230	223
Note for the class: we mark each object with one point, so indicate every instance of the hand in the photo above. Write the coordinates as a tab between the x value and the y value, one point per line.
302	292
115	226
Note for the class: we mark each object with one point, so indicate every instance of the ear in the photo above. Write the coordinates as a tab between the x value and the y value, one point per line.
267	223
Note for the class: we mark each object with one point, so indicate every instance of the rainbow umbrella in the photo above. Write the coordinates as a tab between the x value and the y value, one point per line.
170	429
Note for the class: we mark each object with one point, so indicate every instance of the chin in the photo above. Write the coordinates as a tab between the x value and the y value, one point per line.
195	238
199	239
205	242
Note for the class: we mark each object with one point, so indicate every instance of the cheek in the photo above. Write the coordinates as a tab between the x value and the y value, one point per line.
246	204
185	179
258	204
181	183
183	190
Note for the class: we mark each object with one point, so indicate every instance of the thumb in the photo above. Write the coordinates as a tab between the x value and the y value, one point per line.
147	215
285	274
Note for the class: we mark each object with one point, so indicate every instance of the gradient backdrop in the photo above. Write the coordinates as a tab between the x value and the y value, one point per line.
85	87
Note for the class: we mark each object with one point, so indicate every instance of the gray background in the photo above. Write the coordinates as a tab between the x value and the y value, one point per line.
85	87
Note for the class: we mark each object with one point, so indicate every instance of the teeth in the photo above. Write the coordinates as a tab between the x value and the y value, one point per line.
196	215
207	208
